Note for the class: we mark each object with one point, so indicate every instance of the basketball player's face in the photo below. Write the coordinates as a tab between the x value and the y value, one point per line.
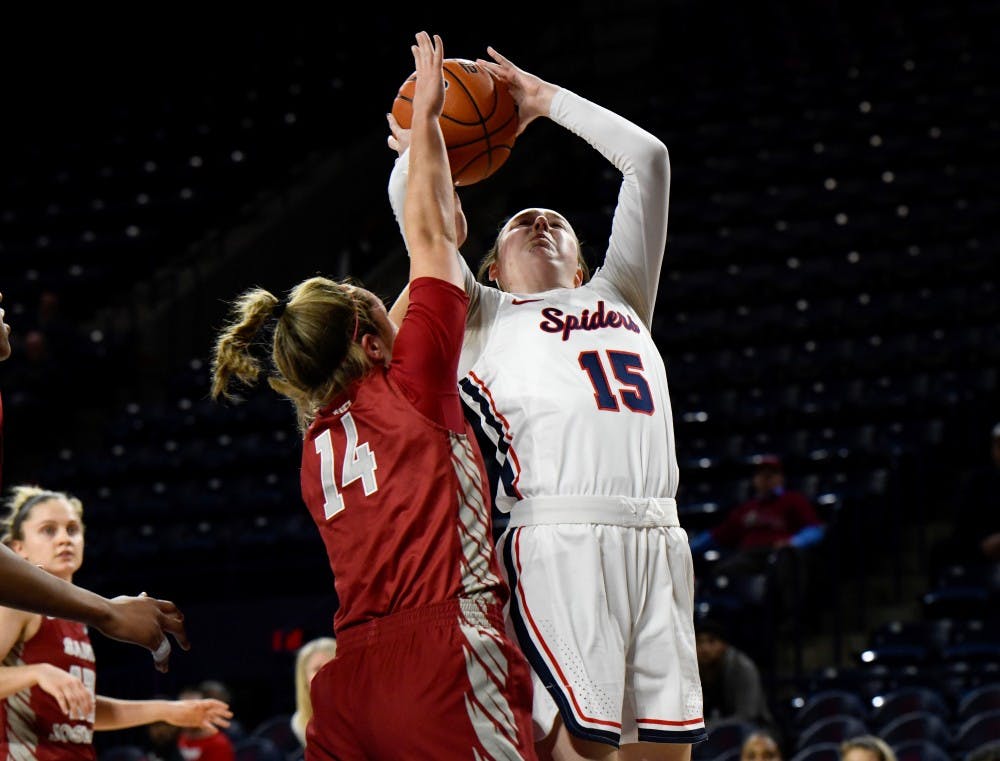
538	251
53	538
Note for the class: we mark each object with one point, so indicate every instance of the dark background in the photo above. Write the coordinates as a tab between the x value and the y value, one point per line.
870	362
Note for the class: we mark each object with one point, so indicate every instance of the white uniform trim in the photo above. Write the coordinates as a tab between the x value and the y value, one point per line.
636	512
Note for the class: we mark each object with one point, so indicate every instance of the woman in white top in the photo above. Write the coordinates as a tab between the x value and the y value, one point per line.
569	392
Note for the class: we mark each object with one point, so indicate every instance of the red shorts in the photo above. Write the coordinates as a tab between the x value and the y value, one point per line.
442	682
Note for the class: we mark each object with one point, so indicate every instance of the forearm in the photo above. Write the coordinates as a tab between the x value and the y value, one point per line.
808	536
26	587
429	210
121	714
16	678
633	150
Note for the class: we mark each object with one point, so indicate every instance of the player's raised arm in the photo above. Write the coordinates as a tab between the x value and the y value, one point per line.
429	205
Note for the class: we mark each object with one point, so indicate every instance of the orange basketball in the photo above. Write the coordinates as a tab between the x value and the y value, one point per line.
479	120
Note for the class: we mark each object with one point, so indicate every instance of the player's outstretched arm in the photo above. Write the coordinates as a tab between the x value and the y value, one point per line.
429	206
206	713
138	620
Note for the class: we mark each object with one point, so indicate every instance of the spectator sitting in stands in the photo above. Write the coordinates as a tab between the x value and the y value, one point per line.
975	537
730	680
760	746
213	688
311	657
756	532
866	748
199	744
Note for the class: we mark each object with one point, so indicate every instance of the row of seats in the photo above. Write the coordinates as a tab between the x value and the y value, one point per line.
916	719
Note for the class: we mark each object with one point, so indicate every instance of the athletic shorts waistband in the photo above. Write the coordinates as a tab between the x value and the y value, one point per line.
482	613
639	512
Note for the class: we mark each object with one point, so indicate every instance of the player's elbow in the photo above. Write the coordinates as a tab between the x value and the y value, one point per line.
659	160
429	244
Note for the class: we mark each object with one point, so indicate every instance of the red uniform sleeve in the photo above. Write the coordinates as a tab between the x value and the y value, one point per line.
425	355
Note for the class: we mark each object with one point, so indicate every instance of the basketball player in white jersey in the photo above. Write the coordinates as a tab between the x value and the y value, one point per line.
569	392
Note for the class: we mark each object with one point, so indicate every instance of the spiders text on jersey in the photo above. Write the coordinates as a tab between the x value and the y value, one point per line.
557	321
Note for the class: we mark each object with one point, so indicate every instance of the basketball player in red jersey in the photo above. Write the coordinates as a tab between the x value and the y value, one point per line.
396	485
139	620
48	706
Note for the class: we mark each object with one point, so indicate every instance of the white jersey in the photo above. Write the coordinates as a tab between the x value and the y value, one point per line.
568	386
570	393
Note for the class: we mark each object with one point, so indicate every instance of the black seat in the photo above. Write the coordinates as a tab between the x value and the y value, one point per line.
830	702
904	700
832	729
917	725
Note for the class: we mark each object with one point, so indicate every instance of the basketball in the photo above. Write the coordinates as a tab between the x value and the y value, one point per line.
479	120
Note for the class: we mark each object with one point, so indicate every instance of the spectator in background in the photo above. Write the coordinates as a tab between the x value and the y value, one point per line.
311	657
213	688
161	741
203	743
760	746
767	532
866	748
975	537
730	680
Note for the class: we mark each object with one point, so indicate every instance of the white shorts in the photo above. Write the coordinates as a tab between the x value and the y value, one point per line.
602	604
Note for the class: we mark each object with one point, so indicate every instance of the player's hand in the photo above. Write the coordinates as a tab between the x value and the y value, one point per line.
208	714
428	90
147	621
74	700
532	95
399	139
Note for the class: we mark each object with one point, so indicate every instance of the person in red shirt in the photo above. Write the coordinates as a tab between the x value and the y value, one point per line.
396	485
202	743
766	533
49	708
774	517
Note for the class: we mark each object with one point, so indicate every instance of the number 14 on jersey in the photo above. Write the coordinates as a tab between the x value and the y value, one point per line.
359	462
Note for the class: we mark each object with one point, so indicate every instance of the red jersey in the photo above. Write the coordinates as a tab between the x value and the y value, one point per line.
394	480
765	521
34	727
215	747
